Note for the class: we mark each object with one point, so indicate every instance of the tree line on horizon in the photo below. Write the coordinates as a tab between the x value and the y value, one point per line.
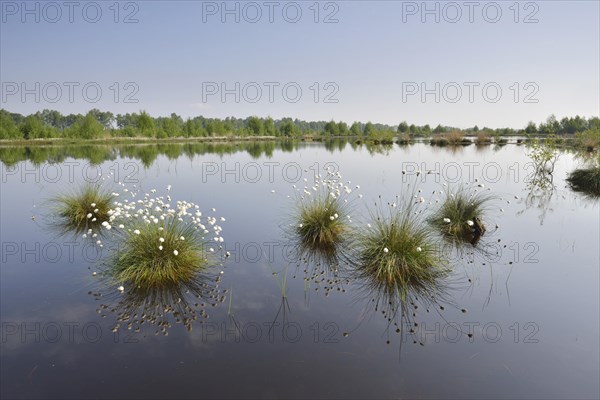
98	124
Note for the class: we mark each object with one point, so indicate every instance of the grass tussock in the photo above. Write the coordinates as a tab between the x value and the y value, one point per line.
483	139
160	243
461	214
403	139
321	219
586	181
322	222
86	208
397	256
153	257
589	139
452	138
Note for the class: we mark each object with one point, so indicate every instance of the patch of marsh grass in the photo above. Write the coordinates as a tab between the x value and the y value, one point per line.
152	257
85	208
321	217
483	139
159	243
586	181
460	217
396	255
322	222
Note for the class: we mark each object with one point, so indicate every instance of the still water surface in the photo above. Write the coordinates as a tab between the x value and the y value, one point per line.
533	308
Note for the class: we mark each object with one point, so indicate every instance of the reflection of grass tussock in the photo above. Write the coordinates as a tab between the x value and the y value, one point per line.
460	216
83	209
151	257
159	307
586	181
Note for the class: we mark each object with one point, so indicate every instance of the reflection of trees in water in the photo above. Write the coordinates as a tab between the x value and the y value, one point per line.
336	144
158	308
383	149
145	153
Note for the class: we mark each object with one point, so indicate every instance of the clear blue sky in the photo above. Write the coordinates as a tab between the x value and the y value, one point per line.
370	54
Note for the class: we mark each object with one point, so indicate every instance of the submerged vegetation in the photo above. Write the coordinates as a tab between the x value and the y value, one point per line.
84	209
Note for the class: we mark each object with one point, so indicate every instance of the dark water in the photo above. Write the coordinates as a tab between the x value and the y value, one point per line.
533	308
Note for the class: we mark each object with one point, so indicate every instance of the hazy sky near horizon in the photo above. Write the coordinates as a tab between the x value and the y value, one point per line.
458	63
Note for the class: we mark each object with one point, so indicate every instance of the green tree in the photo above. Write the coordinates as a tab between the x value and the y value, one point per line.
355	129
145	124
106	118
270	129
342	128
530	128
32	128
89	127
256	126
288	128
403	127
8	128
331	129
369	129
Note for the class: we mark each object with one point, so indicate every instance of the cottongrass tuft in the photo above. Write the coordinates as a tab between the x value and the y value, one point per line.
460	217
322	216
161	244
396	255
84	208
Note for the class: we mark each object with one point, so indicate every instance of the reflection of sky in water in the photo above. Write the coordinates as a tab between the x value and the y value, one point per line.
558	292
